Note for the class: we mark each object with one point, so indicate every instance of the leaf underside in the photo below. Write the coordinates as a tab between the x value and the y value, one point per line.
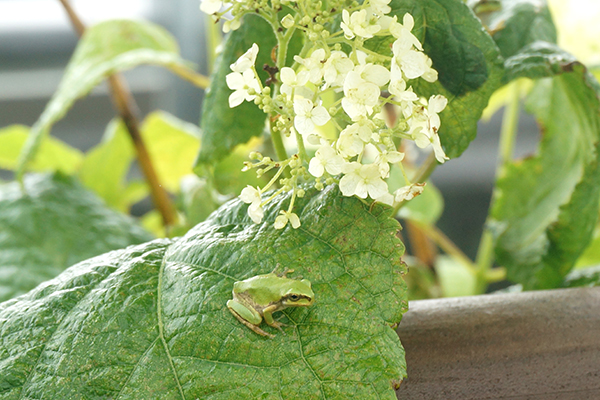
150	321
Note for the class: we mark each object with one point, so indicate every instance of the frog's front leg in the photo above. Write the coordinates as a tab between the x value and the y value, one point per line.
247	316
268	315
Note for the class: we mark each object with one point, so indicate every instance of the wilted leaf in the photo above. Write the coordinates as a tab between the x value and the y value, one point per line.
150	321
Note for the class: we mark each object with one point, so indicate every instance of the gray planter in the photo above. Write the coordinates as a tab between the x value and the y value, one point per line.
536	345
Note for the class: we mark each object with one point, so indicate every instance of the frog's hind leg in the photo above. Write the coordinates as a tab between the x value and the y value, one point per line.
249	325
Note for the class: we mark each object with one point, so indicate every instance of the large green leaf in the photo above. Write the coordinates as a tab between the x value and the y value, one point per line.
51	225
547	205
104	49
466	58
520	22
150	321
223	127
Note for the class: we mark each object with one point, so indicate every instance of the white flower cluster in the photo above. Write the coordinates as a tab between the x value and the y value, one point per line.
359	159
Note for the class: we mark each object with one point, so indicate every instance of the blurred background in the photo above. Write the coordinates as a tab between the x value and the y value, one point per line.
36	42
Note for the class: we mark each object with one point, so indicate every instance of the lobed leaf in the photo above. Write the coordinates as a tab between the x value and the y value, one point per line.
519	23
104	49
172	145
50	225
105	166
150	321
53	155
466	58
547	205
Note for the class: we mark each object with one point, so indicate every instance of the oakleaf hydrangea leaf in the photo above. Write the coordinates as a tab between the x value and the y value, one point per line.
518	23
51	225
104	49
547	205
150	321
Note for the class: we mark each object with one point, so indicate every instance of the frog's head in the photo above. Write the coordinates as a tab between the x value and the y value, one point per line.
298	294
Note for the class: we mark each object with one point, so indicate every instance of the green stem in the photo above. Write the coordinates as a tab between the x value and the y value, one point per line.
301	148
277	141
508	133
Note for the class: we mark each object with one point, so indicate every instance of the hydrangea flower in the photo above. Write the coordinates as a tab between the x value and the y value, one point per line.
409	192
362	180
326	159
253	197
308	116
283	218
211	6
290	80
242	86
246	61
358	24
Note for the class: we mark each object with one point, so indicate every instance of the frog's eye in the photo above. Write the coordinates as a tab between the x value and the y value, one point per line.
294	297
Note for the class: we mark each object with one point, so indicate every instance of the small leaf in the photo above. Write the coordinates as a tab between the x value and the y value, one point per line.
586	277
150	321
466	58
53	155
519	23
547	205
106	165
173	145
104	49
455	278
52	225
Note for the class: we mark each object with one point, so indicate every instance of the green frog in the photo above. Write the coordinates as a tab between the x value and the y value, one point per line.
260	296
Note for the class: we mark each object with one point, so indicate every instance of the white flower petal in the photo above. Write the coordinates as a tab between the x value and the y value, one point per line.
320	116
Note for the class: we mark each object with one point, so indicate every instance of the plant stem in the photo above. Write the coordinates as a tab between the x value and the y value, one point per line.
447	245
125	104
508	133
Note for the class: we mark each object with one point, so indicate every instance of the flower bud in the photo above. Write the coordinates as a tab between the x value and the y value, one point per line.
288	21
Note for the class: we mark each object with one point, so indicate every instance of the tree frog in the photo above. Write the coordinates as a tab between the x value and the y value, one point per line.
260	296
